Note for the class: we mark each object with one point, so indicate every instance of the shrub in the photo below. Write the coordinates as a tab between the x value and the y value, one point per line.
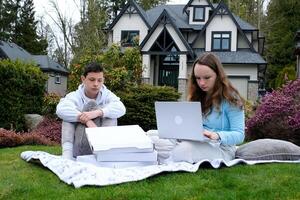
139	103
76	70
10	138
22	88
50	102
278	115
49	128
122	69
250	108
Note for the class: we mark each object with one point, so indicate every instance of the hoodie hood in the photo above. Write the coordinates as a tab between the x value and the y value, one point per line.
100	97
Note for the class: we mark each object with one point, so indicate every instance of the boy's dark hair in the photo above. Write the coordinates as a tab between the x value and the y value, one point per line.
92	67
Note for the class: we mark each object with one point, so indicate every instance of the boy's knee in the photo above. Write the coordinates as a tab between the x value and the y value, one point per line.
91	105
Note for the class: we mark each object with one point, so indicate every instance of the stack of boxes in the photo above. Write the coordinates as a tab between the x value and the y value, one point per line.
121	146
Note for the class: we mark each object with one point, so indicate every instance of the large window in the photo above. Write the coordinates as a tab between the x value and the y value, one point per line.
221	41
129	38
199	13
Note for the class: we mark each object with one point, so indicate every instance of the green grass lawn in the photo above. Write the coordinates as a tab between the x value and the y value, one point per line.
22	180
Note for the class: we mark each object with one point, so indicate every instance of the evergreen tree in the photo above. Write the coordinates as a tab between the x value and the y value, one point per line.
25	34
8	16
283	20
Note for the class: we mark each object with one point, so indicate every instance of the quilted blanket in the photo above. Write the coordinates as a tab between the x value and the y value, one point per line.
84	173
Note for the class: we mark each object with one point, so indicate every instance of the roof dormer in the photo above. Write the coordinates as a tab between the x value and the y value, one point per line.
198	11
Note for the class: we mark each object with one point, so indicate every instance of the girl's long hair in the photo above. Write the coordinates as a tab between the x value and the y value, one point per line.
223	89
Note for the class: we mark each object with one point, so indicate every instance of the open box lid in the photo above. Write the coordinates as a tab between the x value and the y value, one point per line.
129	138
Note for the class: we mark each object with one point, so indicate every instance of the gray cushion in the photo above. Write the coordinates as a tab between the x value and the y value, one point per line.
268	149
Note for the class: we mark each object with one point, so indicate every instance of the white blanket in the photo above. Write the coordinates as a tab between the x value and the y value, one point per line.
80	174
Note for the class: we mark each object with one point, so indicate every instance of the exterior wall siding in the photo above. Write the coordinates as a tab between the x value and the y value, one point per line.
59	89
242	42
221	24
135	23
200	43
242	70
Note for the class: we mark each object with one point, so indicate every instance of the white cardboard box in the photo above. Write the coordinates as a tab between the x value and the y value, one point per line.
91	159
125	157
119	139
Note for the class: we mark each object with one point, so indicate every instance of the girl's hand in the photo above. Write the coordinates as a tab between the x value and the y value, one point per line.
211	135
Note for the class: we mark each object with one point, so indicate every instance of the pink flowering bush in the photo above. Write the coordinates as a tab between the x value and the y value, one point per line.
278	115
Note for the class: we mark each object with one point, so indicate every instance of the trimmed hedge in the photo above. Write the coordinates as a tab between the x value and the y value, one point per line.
139	103
22	89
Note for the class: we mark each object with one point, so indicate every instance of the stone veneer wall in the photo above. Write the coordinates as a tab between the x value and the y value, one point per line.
252	91
182	88
146	80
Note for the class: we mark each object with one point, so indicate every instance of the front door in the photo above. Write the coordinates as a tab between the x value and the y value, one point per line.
168	71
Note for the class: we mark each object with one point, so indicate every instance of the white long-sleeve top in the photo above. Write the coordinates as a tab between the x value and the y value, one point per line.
72	104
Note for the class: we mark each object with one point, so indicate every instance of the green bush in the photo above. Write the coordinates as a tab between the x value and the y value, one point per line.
121	69
22	89
50	102
139	103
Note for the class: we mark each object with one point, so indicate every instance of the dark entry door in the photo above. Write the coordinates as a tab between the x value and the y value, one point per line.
168	71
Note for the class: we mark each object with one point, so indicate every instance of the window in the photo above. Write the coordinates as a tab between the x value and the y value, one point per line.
57	79
129	38
221	41
199	13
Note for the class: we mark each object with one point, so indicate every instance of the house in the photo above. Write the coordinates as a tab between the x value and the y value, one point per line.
297	53
57	75
171	37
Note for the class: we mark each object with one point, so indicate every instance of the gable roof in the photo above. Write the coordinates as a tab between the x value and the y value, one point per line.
223	10
13	52
158	21
48	65
191	1
175	12
139	10
180	18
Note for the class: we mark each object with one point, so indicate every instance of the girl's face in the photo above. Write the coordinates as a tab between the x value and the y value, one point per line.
205	77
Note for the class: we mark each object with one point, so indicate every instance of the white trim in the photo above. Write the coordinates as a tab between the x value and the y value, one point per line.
182	66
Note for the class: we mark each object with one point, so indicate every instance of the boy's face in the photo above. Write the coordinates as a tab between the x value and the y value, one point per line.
93	83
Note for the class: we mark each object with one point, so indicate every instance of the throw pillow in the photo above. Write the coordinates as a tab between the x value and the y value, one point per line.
268	149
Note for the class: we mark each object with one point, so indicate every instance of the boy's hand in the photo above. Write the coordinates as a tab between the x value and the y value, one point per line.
84	117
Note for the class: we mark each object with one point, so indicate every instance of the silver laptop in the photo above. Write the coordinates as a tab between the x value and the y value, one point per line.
179	120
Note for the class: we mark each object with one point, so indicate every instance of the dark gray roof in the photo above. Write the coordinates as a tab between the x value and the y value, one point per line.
13	52
47	64
243	24
237	57
181	18
176	12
